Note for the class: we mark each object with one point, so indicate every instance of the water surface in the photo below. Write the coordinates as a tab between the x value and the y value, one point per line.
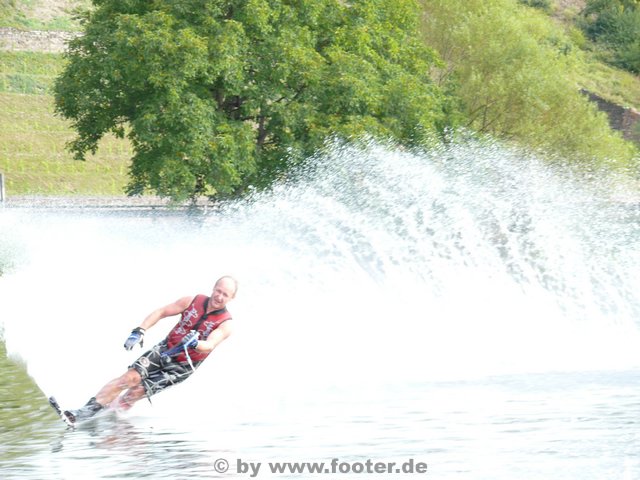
467	308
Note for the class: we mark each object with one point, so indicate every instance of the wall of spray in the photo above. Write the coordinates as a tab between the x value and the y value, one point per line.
375	266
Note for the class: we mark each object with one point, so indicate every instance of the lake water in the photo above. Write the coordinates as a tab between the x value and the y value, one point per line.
461	313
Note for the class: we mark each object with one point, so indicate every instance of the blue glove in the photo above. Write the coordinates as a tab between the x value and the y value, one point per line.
137	336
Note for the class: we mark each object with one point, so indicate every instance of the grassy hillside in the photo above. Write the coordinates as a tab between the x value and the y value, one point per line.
34	160
40	14
32	139
613	84
28	72
33	157
617	86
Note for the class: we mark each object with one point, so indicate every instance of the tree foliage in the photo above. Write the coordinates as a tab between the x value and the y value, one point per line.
545	5
219	95
514	74
615	26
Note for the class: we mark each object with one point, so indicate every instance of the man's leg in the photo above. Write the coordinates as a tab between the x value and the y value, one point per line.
115	387
105	396
131	396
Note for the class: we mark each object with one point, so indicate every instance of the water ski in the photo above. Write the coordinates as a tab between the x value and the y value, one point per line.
54	404
71	422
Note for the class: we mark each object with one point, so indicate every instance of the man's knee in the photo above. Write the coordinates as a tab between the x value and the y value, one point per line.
131	378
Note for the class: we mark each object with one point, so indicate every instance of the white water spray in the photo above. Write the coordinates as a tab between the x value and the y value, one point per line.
374	267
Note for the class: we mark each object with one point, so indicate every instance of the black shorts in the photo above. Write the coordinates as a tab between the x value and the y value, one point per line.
160	372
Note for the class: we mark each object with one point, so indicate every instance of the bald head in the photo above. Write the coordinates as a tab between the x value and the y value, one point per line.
223	292
229	282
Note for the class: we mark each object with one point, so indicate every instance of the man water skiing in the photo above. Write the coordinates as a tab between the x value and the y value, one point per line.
202	326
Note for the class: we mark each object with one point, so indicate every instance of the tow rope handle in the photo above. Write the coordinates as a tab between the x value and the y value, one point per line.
183	345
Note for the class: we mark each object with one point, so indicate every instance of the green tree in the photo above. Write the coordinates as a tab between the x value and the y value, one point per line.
219	95
515	74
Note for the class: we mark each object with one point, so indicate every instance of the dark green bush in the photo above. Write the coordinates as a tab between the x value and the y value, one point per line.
545	5
614	26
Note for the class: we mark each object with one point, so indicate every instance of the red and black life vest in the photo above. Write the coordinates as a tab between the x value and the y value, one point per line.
195	317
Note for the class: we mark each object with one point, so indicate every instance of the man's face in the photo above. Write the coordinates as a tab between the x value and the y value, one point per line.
223	292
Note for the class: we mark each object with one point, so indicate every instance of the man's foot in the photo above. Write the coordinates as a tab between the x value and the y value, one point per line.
89	410
54	403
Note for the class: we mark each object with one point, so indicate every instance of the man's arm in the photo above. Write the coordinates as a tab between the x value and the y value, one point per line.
174	308
217	336
137	334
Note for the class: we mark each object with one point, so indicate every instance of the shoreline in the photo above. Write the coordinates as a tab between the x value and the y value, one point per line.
96	201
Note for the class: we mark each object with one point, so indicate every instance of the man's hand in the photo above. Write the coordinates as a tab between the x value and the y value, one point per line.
136	336
191	339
